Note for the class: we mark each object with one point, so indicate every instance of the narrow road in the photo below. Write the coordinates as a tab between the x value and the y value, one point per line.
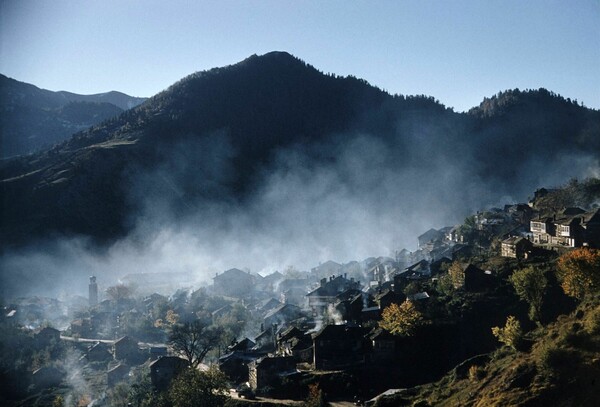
109	341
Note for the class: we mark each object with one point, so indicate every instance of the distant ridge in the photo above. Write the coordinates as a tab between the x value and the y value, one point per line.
32	118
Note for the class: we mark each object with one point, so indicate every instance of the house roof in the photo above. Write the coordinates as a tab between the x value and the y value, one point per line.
431	234
423	264
164	361
419	296
571	211
242	345
125	340
232	273
119	368
284	309
333	287
339	332
98	346
48	331
237	355
268	304
513	240
380	334
225	308
290	332
273	277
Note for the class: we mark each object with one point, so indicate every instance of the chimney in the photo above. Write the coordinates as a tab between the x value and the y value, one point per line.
323	281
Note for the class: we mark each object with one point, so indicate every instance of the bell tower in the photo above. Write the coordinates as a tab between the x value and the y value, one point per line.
93	291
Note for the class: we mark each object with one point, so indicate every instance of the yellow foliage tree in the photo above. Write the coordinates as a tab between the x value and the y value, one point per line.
457	275
401	319
579	271
511	335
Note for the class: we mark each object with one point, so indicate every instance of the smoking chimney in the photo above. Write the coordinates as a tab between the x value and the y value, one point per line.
93	291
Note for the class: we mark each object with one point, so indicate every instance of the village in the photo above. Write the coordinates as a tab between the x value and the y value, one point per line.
278	333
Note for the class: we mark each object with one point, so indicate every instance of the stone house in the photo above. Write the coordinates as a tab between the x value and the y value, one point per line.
265	371
235	364
327	292
47	336
98	352
383	345
282	315
117	374
47	376
165	369
570	227
516	247
477	279
233	283
339	346
126	348
296	343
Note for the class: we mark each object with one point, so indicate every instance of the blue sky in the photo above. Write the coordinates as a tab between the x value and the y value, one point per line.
457	51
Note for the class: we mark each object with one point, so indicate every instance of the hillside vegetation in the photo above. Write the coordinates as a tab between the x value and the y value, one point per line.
554	364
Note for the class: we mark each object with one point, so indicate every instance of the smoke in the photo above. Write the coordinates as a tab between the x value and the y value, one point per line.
349	197
334	315
79	392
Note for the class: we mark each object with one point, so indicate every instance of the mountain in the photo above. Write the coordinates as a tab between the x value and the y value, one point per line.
33	118
272	133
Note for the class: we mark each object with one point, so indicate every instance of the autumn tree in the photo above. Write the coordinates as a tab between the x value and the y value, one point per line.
530	285
511	335
401	319
579	271
193	340
457	275
315	398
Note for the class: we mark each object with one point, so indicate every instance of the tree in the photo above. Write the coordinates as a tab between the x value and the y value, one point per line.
194	340
194	388
401	319
511	335
315	398
457	275
579	272
530	285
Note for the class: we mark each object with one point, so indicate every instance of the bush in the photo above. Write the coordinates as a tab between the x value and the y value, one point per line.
592	322
554	360
511	335
476	373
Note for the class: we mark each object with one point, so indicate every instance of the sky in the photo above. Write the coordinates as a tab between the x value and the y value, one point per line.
456	51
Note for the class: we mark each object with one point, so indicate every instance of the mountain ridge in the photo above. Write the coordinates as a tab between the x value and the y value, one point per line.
217	135
32	118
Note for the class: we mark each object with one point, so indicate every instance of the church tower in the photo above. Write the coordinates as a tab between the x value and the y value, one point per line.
93	291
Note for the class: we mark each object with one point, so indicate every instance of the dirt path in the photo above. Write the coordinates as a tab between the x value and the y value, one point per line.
258	399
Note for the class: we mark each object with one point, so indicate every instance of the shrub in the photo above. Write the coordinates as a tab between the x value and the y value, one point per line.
476	373
552	359
511	335
592	322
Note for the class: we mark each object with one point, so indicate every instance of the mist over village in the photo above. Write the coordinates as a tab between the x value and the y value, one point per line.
235	225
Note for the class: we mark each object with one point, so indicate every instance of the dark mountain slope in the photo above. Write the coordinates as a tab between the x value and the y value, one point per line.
219	136
241	115
521	125
33	118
